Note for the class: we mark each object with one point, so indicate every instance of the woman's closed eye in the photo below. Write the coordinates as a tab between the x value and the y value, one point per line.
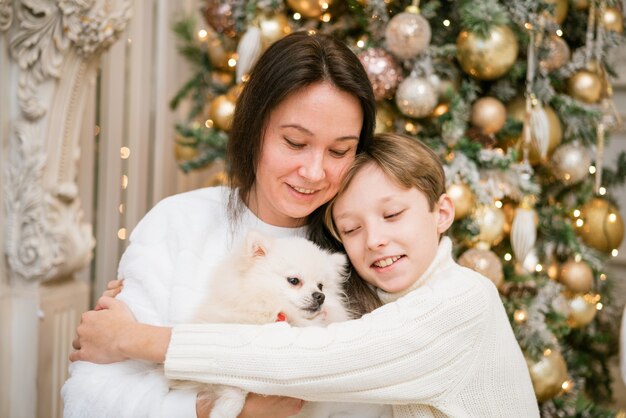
339	153
293	144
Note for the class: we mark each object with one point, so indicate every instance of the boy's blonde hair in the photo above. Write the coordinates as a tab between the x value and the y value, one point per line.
405	160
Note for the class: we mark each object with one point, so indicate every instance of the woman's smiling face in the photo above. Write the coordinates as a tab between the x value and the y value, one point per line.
309	142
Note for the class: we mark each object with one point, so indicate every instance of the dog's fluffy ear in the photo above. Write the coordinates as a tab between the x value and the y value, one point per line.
257	244
339	264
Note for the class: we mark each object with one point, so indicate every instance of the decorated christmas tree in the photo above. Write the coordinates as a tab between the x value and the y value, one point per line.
516	97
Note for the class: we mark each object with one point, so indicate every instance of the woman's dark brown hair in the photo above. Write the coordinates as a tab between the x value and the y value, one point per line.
290	64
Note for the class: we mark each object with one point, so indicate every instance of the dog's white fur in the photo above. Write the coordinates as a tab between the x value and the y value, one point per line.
265	277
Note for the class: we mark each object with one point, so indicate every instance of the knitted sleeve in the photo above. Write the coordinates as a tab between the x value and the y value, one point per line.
132	388
413	350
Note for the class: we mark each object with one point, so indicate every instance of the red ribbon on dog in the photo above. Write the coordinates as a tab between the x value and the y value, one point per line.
281	317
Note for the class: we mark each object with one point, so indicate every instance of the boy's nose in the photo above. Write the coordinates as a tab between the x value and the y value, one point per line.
376	239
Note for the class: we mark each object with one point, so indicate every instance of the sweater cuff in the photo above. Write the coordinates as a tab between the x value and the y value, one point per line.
179	403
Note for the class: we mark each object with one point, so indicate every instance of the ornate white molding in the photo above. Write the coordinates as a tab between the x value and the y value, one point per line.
55	46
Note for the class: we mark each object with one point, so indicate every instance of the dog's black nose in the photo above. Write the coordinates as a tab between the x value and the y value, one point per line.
318	297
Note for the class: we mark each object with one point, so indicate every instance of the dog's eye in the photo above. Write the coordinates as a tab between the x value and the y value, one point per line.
320	286
293	280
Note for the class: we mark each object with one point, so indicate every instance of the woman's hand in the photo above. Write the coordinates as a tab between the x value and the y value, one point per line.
114	287
112	334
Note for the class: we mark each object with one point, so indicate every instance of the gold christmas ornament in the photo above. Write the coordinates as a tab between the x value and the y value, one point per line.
463	199
580	4
548	375
490	220
570	163
185	149
516	109
416	97
602	226
407	34
557	53
582	310
384	118
273	27
559	12
222	111
487	58
488	114
577	276
509	213
309	8
612	20
222	78
485	262
524	229
585	85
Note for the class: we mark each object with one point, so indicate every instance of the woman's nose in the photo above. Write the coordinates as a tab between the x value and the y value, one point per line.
312	168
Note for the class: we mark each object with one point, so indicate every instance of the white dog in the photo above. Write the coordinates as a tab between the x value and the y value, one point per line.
276	279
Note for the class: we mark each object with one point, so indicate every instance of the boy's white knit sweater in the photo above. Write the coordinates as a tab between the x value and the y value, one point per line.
443	348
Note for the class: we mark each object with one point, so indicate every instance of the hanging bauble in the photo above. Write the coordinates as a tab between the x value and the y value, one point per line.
582	310
524	229
407	34
219	14
490	57
570	163
488	114
557	53
548	374
273	27
463	199
222	111
309	8
602	226
577	276
384	118
220	52
559	12
516	109
382	70
249	50
185	148
490	220
415	97
485	262
612	20
585	85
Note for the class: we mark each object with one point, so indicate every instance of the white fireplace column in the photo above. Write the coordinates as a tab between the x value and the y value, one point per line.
49	54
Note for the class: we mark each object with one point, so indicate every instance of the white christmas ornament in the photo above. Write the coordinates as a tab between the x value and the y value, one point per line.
407	34
416	97
523	231
540	130
249	50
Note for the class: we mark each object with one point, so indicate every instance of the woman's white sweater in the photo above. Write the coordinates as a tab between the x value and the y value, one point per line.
444	348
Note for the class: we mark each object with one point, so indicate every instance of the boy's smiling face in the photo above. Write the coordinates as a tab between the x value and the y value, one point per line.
389	231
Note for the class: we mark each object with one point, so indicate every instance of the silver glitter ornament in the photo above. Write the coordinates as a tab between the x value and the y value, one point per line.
407	34
416	97
382	70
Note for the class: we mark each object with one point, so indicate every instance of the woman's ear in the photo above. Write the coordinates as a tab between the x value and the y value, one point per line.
445	212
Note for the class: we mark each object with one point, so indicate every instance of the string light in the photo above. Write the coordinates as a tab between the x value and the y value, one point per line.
614	253
446	23
559	33
520	316
567	385
578	257
121	208
576	213
124	181
208	123
592	169
96	130
297	16
602	191
508	257
603	277
121	233
547	352
124	153
360	43
579	222
202	34
538	268
232	62
599	306
326	17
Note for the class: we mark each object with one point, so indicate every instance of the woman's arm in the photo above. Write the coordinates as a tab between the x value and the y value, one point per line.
112	334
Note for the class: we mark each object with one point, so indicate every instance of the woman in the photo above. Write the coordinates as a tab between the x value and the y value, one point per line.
305	112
